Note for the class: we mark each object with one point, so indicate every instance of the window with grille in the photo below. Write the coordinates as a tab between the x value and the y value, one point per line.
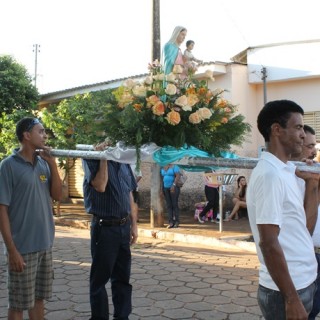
312	119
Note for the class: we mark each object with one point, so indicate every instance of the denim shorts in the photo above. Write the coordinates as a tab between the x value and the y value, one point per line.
272	304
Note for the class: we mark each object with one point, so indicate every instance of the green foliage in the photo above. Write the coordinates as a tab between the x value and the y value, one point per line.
16	88
78	120
8	139
175	113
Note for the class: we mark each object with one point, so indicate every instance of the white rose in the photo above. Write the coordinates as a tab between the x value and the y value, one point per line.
171	89
183	103
129	83
177	68
148	80
204	113
171	77
159	77
209	74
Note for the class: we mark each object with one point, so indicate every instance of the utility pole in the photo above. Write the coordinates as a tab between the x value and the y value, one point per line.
156	51
36	49
264	79
157	205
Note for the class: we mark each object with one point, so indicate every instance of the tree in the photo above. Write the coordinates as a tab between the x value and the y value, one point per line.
18	98
78	120
16	88
8	139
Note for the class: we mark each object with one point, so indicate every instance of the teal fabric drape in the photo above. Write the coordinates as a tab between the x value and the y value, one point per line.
169	154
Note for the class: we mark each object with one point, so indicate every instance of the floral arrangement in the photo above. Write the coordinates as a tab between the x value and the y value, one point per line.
173	110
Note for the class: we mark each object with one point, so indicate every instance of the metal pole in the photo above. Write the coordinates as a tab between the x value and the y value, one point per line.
221	208
241	163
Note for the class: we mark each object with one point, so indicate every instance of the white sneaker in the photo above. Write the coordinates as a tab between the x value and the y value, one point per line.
199	219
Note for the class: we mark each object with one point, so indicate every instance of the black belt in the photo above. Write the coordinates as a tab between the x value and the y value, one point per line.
111	222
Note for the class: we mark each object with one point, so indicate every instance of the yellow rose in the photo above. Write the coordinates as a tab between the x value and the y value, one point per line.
194	118
204	113
173	117
209	95
139	91
177	68
192	99
125	99
152	100
222	103
158	108
171	89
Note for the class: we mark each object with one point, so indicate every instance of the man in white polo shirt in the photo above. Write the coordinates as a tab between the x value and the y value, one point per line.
277	216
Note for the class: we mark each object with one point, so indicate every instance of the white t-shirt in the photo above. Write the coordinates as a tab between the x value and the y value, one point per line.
316	232
275	196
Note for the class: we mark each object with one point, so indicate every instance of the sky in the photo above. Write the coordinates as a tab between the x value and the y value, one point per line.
84	42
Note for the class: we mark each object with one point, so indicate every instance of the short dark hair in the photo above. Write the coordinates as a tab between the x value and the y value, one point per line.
278	111
189	42
25	125
309	129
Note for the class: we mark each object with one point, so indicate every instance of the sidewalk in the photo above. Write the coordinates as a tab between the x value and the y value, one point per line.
234	233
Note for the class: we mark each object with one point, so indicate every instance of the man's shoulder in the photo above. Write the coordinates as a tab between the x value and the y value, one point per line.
8	160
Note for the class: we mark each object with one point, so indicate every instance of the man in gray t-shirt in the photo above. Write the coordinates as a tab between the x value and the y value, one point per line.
28	180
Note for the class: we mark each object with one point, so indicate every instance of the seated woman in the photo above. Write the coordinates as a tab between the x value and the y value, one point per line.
239	199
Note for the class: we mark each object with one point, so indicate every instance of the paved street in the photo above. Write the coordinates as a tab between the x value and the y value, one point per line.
170	280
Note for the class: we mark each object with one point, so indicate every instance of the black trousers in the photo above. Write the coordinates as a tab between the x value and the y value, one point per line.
111	261
212	195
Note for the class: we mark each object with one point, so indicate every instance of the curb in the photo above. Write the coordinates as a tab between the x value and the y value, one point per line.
211	242
230	243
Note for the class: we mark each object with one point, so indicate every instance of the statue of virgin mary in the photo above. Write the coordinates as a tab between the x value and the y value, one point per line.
171	51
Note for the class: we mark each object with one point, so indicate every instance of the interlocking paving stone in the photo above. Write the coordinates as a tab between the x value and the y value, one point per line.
234	294
170	281
179	314
199	306
141	302
148	312
188	297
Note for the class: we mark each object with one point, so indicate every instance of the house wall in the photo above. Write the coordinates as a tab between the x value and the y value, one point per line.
304	92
